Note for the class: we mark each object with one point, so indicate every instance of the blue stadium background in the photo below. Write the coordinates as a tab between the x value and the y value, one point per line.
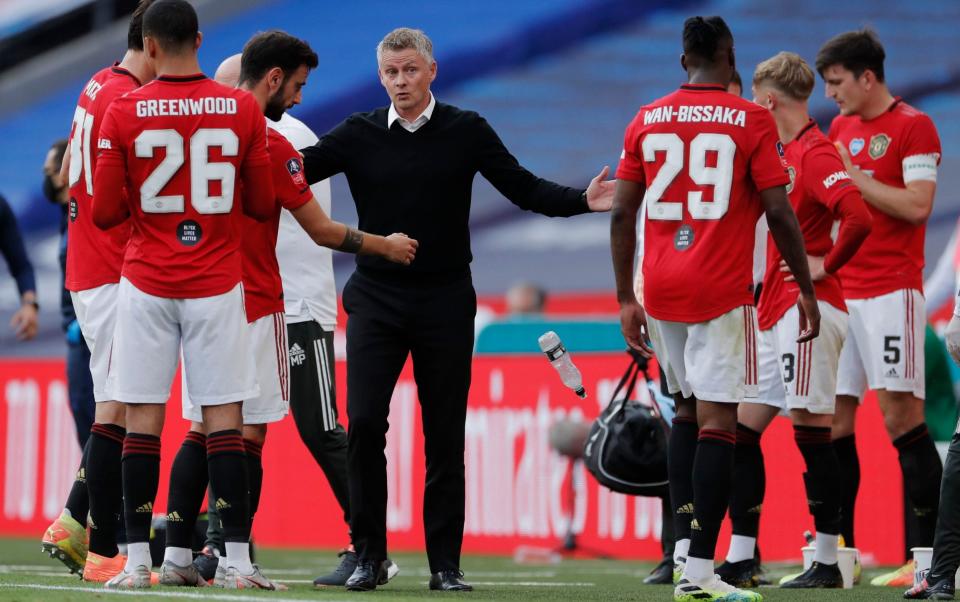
558	80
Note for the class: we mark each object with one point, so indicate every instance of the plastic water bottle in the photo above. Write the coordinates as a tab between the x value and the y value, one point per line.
551	345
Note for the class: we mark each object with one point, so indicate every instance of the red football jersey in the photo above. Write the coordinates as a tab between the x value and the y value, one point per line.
185	143
818	181
891	257
94	257
262	287
703	156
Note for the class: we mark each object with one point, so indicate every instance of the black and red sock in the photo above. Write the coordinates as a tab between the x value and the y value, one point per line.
681	451
227	467
254	453
188	485
822	479
105	484
922	472
846	450
78	500
141	477
749	483
712	478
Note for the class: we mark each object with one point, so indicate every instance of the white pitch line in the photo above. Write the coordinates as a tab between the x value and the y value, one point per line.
206	595
535	583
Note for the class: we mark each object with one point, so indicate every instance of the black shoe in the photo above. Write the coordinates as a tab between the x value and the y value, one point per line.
367	575
339	576
817	576
662	574
206	563
449	581
742	574
942	589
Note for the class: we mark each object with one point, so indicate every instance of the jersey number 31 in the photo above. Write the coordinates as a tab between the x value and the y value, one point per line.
720	177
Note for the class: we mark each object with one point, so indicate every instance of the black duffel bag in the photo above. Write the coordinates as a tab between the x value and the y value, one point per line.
626	450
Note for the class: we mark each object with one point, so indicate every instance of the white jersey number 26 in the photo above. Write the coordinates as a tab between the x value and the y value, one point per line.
720	177
202	171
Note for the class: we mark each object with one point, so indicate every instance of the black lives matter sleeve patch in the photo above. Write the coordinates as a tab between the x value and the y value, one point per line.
189	232
683	239
73	209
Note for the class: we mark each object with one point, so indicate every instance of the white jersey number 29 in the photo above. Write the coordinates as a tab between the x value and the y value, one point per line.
720	177
202	171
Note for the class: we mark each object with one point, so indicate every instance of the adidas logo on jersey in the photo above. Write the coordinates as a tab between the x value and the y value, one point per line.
892	372
174	517
145	508
297	355
685	509
81	475
695	525
756	509
222	504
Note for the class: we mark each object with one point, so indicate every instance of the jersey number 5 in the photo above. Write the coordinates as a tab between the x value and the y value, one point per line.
720	177
202	171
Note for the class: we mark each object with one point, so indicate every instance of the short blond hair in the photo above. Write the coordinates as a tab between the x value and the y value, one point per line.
788	73
404	38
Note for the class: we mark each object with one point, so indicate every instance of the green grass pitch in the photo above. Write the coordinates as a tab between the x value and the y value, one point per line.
26	574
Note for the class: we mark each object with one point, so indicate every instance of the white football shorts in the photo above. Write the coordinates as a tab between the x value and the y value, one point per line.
796	376
268	343
714	360
150	332
96	310
884	346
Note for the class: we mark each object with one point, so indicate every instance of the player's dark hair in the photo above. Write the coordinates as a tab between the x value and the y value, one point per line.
736	79
855	51
702	36
269	49
173	23
135	31
59	150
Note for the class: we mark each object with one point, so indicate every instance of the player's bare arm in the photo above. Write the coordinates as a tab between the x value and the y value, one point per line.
786	234
627	200
912	204
397	248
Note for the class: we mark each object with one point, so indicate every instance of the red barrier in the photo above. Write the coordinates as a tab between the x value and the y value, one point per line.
515	483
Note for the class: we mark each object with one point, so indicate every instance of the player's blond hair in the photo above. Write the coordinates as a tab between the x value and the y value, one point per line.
788	73
404	38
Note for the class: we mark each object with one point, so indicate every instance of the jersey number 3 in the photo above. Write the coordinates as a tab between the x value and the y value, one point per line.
720	177
202	171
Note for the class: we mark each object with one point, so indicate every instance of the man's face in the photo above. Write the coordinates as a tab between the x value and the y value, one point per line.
53	185
845	89
288	95
406	76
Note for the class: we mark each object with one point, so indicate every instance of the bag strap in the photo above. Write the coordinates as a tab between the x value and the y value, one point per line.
630	376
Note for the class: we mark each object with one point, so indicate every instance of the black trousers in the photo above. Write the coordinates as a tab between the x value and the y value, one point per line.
80	389
946	541
432	322
313	403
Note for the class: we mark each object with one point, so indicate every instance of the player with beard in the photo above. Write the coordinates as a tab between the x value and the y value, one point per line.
892	152
274	68
173	155
94	259
705	166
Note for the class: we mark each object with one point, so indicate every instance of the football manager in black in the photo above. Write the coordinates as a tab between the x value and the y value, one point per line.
410	168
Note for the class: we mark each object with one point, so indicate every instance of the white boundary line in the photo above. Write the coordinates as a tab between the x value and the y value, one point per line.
161	594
